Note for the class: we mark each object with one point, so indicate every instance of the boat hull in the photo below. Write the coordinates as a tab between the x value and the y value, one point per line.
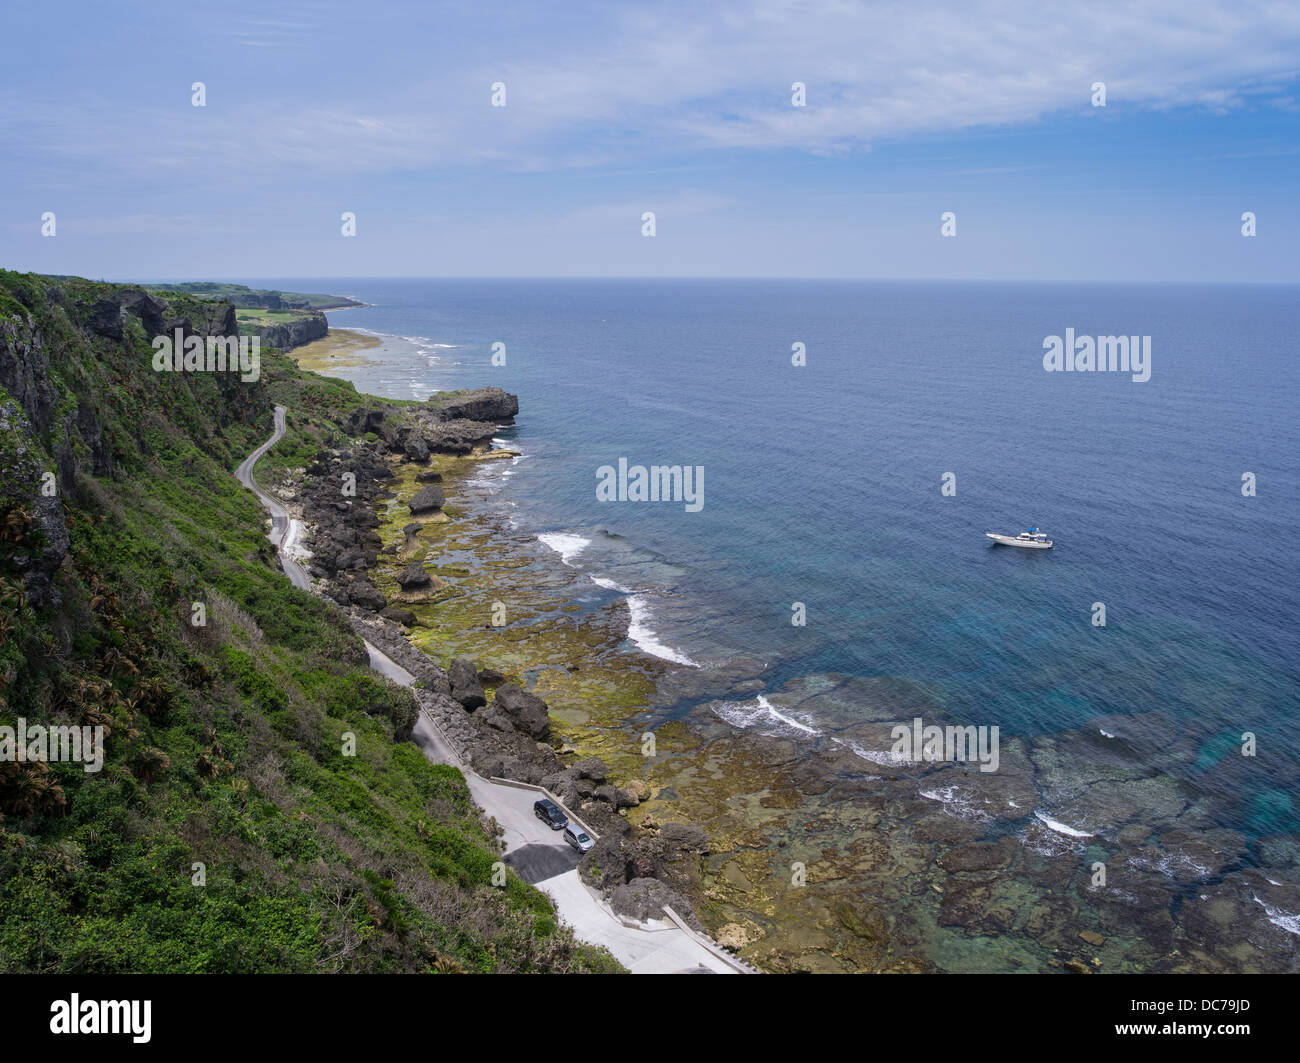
1011	540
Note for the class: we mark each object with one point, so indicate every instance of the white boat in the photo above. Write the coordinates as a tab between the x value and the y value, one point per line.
1032	539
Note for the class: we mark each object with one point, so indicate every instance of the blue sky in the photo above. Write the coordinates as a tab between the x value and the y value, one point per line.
913	109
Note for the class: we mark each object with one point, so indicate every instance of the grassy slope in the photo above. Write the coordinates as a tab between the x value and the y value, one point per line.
226	740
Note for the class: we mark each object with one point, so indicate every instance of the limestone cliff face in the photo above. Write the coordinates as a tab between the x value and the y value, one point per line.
308	326
79	398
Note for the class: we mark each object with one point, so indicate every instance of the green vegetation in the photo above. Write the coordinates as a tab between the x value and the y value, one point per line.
270	317
243	296
259	808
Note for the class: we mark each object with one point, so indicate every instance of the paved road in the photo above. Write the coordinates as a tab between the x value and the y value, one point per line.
280	524
538	854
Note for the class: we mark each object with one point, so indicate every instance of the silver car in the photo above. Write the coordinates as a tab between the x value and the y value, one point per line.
578	838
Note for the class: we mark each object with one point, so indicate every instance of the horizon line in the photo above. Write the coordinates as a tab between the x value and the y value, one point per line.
676	277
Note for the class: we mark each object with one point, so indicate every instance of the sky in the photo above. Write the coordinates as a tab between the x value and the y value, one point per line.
385	110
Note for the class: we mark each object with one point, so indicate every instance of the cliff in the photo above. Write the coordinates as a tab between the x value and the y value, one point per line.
257	807
284	329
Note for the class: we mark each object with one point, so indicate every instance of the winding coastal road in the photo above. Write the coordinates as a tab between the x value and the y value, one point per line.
538	854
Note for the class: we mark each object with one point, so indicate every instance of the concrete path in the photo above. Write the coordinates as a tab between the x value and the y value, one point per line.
537	853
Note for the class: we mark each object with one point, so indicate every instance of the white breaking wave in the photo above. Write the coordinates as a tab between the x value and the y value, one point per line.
565	545
957	803
420	341
1173	864
610	585
1288	922
1105	734
885	757
642	634
762	713
1059	827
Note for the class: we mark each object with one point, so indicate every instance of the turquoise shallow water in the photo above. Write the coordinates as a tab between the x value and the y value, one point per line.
822	486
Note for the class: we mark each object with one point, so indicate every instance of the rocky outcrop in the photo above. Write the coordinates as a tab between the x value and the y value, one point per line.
454	422
409	543
465	687
417	585
365	594
306	326
459	436
343	537
110	314
527	712
427	499
481	404
624	864
400	616
643	899
413	577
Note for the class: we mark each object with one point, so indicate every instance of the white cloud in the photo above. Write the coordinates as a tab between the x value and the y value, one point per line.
652	80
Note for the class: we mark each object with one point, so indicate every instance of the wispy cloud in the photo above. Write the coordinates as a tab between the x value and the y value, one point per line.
651	79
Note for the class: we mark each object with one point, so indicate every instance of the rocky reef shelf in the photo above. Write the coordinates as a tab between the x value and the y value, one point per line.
811	847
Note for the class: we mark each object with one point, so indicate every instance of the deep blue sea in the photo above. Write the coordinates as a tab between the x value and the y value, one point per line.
822	485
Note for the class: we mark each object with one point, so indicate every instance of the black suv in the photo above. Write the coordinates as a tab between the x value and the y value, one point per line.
549	813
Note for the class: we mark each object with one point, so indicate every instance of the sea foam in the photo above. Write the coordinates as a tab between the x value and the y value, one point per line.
1059	827
566	545
763	714
643	635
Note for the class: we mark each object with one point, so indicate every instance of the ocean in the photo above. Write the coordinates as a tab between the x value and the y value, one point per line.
823	489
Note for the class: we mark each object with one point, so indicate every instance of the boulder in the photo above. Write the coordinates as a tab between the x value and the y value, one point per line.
417	585
592	768
557	781
365	594
413	577
527	711
428	499
400	616
495	718
428	476
614	797
645	898
465	685
684	836
414	448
